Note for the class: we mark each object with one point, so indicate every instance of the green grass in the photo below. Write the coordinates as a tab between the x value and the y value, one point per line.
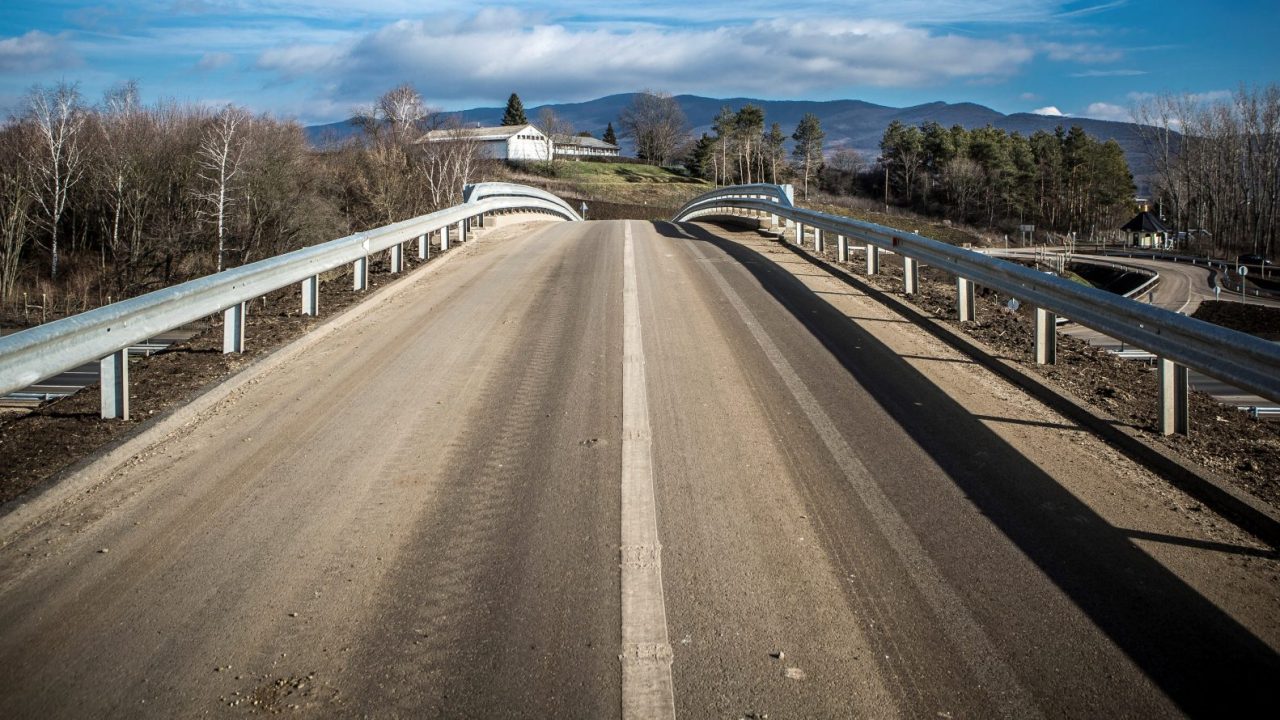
603	173
625	183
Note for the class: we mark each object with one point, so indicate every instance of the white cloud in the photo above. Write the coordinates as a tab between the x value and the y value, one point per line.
34	52
214	60
1050	110
1107	111
1081	52
1108	73
495	51
1028	96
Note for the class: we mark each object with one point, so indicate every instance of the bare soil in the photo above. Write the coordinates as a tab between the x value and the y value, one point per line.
40	444
1244	451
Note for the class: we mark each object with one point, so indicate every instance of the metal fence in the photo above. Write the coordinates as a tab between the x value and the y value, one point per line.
106	333
1178	341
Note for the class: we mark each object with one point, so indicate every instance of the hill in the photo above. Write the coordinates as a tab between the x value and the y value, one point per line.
848	123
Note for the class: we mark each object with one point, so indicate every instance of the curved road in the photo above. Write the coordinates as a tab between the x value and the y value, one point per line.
1182	288
428	515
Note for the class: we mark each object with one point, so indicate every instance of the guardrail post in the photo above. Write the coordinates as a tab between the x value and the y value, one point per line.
873	258
842	248
462	231
910	276
964	299
1174	408
114	379
1046	337
800	234
819	242
233	328
444	238
311	296
424	248
361	272
397	257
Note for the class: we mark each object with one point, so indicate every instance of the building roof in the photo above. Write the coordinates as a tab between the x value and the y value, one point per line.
1145	222
505	132
583	141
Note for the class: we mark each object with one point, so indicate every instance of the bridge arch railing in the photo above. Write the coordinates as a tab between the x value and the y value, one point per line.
1179	342
105	334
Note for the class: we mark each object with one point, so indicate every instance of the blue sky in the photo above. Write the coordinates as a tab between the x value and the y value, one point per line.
317	61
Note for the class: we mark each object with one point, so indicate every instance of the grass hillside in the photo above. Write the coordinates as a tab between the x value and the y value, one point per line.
619	183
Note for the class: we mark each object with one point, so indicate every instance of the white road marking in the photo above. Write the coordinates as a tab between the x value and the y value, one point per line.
647	690
993	673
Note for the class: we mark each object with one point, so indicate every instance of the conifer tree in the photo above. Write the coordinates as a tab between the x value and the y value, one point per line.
610	136
515	112
808	151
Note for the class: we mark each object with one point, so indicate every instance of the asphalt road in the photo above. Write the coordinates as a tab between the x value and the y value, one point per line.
1182	288
428	516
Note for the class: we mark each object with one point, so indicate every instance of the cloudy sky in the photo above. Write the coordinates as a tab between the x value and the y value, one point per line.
318	60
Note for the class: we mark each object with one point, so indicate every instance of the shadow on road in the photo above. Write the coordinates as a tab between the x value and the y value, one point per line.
1200	657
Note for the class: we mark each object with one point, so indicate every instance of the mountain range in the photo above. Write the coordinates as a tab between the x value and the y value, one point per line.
848	123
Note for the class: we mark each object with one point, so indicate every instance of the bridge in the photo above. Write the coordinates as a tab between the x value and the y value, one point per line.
622	468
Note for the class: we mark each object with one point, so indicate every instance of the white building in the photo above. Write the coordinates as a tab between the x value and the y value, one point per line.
510	142
573	146
524	142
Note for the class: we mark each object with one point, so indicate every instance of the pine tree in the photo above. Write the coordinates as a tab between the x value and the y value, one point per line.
610	136
808	152
515	112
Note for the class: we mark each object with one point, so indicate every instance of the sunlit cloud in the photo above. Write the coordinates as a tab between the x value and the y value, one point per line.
36	51
1107	111
489	54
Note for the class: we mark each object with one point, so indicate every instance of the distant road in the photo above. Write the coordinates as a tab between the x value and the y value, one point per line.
1182	288
427	515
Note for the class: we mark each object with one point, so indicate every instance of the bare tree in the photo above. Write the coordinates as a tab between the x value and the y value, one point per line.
451	160
221	152
555	128
657	125
1217	166
117	164
17	203
57	158
403	108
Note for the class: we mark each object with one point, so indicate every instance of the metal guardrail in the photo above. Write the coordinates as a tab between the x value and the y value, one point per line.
1180	342
32	355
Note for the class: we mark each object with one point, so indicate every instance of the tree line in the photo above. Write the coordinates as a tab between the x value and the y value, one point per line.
1063	180
116	198
1217	167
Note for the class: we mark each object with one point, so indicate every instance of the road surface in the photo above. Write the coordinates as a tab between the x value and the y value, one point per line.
609	445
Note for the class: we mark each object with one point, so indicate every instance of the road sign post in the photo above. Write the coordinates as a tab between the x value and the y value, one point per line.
1243	272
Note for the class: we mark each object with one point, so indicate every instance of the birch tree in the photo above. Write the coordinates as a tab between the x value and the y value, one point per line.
57	158
221	153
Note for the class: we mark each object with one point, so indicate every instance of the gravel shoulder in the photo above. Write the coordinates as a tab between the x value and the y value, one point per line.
42	445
